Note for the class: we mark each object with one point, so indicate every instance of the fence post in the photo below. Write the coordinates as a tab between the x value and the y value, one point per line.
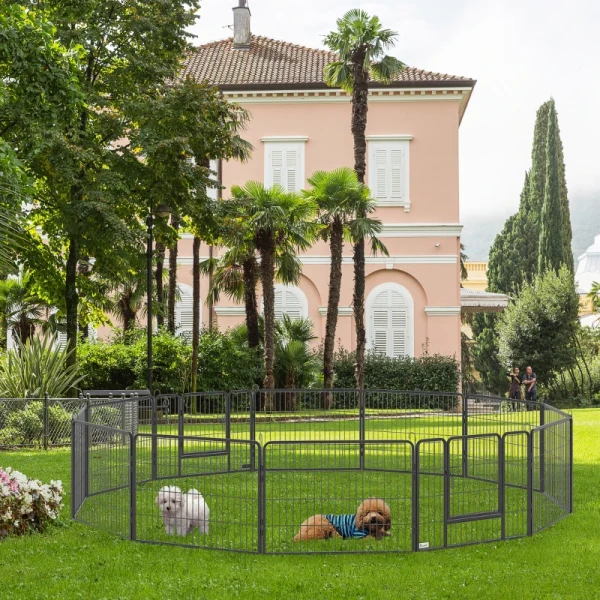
542	447
415	498
154	417
74	484
228	429
571	464
86	451
46	422
465	433
501	488
446	457
262	504
361	433
132	487
530	483
252	429
180	411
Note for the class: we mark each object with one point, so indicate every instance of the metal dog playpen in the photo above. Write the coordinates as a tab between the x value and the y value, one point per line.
453	470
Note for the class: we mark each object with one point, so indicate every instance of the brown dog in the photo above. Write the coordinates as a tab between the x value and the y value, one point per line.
372	519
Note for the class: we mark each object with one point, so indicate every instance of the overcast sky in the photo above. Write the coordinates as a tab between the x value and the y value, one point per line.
521	52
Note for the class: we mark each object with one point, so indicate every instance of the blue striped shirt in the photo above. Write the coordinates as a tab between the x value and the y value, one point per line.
345	525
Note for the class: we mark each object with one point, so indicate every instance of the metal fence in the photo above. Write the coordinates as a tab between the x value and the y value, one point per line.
319	471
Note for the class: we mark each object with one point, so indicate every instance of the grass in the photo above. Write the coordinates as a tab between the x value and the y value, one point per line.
76	561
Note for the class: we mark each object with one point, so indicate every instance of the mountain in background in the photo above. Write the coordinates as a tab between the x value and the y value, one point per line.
479	231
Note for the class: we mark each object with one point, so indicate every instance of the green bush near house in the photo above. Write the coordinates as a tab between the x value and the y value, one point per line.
428	373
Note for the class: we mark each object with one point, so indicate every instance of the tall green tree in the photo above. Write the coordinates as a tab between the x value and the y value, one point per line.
127	52
551	253
279	219
342	201
360	43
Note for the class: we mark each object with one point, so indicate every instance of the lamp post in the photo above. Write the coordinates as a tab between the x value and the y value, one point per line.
163	211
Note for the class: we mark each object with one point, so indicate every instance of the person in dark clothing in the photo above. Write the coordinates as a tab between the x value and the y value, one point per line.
530	383
514	392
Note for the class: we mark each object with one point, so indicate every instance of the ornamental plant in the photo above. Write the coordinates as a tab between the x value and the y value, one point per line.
27	505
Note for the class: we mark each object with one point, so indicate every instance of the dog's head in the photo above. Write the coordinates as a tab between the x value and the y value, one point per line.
169	499
373	515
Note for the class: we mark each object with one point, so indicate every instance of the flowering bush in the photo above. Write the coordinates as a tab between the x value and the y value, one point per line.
27	504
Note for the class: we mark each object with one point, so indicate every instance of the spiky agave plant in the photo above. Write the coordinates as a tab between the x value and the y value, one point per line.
38	367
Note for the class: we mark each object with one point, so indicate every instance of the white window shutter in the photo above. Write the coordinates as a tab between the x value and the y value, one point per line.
381	167
287	303
291	163
389	322
284	165
61	340
388	172
397	174
212	192
276	167
184	314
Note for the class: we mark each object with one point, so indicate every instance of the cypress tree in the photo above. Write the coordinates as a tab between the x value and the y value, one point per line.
551	246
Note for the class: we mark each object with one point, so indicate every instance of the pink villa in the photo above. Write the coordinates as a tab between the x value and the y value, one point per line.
299	125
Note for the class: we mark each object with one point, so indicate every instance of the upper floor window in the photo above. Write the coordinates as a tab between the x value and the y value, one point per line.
284	162
388	170
390	325
184	311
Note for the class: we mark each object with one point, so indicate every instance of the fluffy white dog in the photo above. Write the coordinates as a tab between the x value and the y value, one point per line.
181	512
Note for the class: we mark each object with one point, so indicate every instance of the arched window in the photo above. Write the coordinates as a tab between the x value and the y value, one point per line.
290	301
184	311
390	325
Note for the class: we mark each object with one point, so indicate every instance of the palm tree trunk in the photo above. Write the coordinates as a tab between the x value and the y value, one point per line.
72	300
250	274
210	283
195	310
359	124
172	297
268	279
335	283
160	295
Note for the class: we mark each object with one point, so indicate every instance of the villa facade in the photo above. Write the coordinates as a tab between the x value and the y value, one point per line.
298	125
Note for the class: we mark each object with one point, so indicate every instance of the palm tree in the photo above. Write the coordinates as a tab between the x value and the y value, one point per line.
279	219
21	309
360	42
129	298
594	296
340	199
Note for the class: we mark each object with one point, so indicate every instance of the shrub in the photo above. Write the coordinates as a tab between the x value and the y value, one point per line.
35	369
28	423
105	366
59	424
27	504
428	373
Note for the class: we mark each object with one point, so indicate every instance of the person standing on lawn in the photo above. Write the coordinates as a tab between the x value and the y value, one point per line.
530	383
514	392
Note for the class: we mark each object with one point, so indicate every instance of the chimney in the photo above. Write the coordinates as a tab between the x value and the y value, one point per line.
241	25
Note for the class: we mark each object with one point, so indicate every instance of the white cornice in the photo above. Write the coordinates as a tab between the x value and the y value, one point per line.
421	230
230	311
416	259
333	95
284	138
442	311
343	311
398	137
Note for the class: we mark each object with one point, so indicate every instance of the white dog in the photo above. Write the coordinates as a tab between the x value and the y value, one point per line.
181	512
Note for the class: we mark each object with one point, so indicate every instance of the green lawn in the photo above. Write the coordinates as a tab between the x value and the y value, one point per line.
76	561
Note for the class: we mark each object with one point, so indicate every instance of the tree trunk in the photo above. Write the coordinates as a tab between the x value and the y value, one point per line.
335	282
83	268
250	274
210	284
72	300
160	295
359	124
129	317
172	299
267	254
195	310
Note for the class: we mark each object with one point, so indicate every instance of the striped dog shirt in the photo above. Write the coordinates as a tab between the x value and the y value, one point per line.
345	525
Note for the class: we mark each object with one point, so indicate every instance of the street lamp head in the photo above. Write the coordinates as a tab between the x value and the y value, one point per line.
163	211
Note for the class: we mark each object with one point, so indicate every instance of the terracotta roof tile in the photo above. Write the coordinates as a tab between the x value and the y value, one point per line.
273	63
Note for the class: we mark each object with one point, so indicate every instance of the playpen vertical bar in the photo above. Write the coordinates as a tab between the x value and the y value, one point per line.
180	444
542	447
446	451
74	483
465	432
571	464
228	429
501	488
86	451
361	426
132	487
154	412
262	493
530	483
415	499
252	430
